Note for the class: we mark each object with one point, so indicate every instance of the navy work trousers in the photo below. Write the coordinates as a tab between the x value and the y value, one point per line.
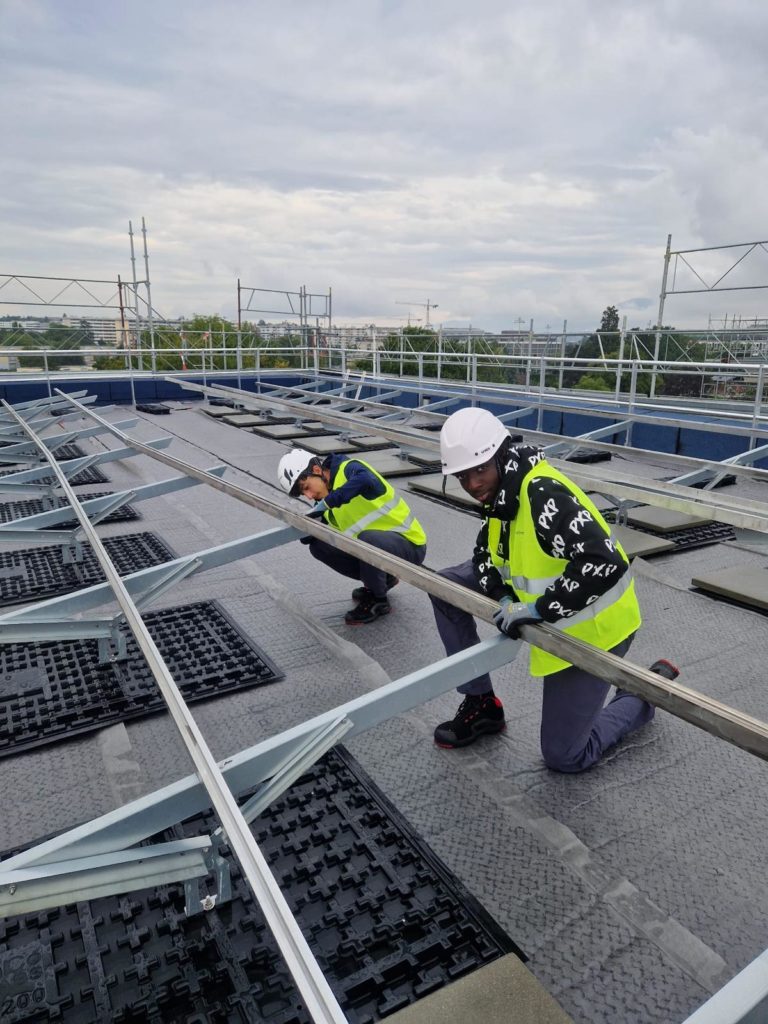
576	724
374	579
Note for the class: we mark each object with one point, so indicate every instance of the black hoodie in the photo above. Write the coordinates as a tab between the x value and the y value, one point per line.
564	529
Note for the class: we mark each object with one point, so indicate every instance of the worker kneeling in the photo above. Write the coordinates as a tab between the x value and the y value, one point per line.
351	497
544	553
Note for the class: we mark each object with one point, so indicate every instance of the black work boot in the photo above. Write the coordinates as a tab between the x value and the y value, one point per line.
369	609
360	593
479	715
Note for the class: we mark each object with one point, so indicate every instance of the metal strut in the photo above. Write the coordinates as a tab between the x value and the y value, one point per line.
314	988
719	719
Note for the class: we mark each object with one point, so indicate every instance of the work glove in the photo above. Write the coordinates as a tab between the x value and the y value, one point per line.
317	510
514	614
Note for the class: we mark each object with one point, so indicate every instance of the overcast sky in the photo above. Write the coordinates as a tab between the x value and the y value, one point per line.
505	159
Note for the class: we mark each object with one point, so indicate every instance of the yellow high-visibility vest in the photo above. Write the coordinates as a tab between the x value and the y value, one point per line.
611	618
387	512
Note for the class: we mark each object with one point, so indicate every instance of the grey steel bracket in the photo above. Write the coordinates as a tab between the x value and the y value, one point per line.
95	506
318	998
114	646
63	609
167	580
622	509
516	414
23	480
36	405
713	477
130	824
217	866
44	886
27	451
73	552
306	753
573	444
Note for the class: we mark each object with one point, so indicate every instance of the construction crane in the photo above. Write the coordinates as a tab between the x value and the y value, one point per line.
427	306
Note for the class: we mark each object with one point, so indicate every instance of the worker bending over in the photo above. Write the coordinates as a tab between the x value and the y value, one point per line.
351	497
545	554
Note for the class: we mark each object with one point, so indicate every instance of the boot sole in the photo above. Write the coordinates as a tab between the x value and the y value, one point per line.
367	622
485	731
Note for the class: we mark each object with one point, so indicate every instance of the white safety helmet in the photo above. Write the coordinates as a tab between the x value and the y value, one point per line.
293	465
469	438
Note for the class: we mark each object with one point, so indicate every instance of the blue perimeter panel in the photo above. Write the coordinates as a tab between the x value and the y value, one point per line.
679	440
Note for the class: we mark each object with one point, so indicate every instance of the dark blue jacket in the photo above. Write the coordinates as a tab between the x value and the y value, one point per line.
360	480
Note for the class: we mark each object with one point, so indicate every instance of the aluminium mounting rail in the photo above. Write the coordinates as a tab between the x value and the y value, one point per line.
26	479
315	990
375	407
273	762
38	405
138	818
742	513
648	455
38	527
579	406
558	443
25	451
42	418
700	710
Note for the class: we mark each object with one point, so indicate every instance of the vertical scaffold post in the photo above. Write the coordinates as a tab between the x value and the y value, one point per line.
622	339
562	356
660	318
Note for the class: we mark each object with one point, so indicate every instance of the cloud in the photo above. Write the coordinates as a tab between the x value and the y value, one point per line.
503	161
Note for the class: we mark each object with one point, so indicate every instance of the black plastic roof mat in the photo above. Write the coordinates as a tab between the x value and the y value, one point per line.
53	691
386	919
32	574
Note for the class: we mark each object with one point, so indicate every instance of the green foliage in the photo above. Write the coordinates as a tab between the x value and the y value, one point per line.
606	343
592	382
202	342
416	349
643	383
610	319
110	363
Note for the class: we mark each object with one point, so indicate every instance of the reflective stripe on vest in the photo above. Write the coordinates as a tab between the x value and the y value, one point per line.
388	512
536	586
593	610
376	513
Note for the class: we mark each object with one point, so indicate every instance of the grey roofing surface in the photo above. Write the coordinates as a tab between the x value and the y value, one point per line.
637	888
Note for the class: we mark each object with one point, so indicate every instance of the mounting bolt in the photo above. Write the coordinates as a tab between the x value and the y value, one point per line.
208	903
